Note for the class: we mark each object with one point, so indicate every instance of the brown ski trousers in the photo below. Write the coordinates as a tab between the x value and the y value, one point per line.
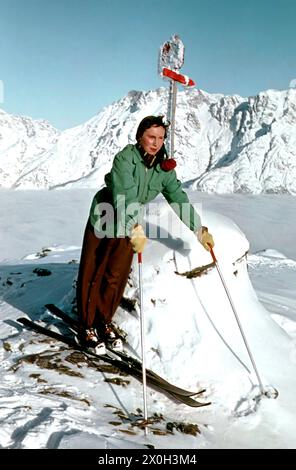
105	264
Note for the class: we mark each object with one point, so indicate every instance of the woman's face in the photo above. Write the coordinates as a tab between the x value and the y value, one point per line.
152	139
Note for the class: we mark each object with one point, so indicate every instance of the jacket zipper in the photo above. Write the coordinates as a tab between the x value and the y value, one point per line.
144	189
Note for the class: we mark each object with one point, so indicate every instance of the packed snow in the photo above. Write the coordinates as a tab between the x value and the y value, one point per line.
54	397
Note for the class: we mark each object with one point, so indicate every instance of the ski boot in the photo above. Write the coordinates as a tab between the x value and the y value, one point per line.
89	339
109	334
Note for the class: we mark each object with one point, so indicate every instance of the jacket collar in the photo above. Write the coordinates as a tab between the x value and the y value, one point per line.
140	155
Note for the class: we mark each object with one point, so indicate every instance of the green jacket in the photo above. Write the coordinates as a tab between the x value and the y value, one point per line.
129	185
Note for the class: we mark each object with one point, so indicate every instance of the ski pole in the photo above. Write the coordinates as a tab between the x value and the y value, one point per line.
270	392
143	343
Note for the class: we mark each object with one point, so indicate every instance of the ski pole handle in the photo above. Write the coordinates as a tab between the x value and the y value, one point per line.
140	258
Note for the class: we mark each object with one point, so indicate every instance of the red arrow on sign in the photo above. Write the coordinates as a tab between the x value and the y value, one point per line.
178	77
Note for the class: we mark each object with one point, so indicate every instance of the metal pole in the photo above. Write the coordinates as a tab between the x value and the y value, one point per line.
238	321
143	344
173	98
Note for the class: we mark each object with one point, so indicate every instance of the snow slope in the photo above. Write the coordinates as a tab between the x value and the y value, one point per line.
50	397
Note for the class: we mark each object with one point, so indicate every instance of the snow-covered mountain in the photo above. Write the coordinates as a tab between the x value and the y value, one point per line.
223	143
25	145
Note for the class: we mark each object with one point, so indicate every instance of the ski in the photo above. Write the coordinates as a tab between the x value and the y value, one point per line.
135	363
121	364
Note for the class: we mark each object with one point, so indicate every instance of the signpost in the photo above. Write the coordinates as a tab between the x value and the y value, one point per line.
171	59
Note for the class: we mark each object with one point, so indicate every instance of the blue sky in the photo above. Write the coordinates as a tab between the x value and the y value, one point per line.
63	60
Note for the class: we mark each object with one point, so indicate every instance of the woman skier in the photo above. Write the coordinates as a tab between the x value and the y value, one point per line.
114	232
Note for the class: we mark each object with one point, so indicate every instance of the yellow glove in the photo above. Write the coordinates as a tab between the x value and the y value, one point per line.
204	237
138	239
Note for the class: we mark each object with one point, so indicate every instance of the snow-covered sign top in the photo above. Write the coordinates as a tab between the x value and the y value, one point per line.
171	54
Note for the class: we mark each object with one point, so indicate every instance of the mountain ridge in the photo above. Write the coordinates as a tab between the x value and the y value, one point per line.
224	143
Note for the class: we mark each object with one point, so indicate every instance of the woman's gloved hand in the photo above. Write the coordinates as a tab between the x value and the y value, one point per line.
205	238
138	239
